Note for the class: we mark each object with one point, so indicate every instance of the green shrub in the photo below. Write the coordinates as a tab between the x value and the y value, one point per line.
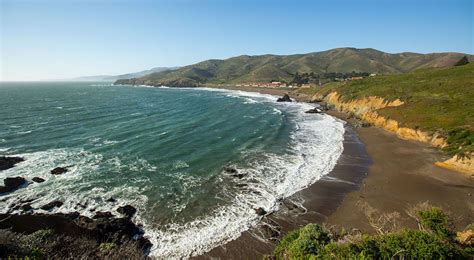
34	242
306	241
417	245
106	248
436	221
433	242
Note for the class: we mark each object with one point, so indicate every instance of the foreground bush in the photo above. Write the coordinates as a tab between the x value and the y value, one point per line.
434	240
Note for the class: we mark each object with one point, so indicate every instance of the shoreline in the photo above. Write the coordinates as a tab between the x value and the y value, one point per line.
312	204
376	168
401	175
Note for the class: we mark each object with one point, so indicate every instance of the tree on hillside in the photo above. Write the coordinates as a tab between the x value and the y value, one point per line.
462	61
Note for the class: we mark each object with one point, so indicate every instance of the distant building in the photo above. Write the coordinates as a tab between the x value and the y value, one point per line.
357	78
372	75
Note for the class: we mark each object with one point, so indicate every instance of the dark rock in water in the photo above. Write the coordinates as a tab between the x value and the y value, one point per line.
230	170
241	185
127	211
26	207
9	162
12	183
52	204
314	111
73	215
239	175
260	211
285	98
234	173
58	170
101	214
111	200
38	179
324	107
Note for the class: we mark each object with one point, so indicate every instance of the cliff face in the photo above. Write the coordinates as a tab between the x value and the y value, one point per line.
366	110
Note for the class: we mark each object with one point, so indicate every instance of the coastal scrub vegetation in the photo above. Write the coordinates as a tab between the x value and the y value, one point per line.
46	244
435	100
433	240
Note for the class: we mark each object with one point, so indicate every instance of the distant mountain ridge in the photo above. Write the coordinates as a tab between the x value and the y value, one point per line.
123	76
264	68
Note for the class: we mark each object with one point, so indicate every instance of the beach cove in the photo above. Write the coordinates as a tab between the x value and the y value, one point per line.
377	169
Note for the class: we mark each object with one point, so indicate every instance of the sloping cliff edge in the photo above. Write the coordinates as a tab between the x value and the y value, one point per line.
365	109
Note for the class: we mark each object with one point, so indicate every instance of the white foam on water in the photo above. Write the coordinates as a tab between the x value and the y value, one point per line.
317	144
315	147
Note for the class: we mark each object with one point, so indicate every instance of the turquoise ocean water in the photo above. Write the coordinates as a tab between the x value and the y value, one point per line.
163	150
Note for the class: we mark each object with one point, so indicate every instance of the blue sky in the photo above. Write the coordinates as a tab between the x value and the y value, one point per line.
64	39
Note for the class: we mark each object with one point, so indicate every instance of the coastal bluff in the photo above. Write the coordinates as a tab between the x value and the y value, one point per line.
366	109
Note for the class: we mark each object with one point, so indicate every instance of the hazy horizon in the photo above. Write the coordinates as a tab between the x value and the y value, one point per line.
49	40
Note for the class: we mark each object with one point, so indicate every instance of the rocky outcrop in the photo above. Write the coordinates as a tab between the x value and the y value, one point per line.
460	164
127	210
9	162
314	111
285	98
260	211
366	109
11	184
38	180
52	204
101	214
59	170
119	231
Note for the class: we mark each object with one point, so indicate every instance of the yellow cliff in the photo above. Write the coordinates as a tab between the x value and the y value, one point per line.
366	109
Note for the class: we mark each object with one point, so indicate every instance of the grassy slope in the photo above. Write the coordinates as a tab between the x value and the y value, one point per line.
265	68
435	100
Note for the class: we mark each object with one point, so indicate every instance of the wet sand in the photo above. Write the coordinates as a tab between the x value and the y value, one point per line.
403	174
377	168
313	204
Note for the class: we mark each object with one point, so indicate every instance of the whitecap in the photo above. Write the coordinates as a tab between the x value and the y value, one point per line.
316	146
180	165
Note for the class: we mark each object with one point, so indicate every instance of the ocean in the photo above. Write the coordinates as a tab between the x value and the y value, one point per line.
163	151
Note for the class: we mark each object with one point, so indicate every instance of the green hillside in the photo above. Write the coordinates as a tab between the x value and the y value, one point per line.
266	68
437	99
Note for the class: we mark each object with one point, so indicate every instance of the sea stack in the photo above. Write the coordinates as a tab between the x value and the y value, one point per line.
285	98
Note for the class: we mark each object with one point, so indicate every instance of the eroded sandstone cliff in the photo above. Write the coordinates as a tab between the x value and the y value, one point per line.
366	109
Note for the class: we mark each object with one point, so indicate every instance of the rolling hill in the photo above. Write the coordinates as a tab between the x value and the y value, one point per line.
266	68
123	76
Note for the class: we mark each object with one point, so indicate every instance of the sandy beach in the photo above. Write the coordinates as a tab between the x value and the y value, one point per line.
376	169
403	174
